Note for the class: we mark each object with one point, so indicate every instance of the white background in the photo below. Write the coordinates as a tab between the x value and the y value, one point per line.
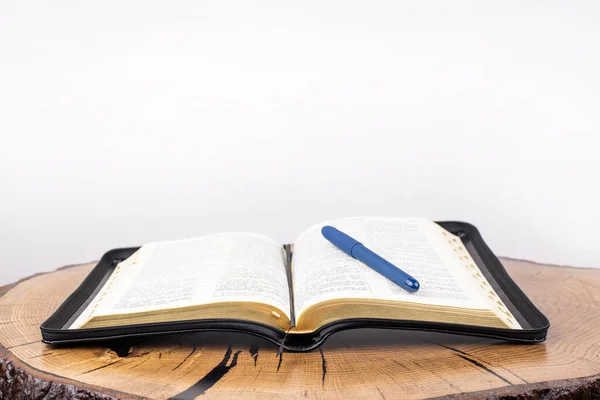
124	122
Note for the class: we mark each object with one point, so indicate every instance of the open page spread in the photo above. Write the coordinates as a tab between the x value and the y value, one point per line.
322	272
227	267
250	268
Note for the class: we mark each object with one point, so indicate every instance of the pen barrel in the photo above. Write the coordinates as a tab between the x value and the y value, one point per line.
339	239
385	268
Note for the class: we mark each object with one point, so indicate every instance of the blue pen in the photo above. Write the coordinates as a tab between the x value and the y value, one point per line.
357	250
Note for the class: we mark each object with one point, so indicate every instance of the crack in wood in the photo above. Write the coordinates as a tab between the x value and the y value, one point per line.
323	368
523	379
451	348
50	355
400	364
103	366
210	379
483	367
438	375
254	352
186	358
22	344
143	361
470	359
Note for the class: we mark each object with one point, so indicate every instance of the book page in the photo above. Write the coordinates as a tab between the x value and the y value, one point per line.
223	267
453	247
323	272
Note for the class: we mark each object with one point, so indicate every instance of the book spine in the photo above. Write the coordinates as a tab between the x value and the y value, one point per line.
288	268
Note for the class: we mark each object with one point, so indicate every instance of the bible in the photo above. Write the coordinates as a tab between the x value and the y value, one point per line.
255	284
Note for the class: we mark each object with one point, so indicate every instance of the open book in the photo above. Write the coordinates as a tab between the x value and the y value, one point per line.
245	276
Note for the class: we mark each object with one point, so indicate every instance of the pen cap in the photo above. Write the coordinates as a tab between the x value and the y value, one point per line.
339	239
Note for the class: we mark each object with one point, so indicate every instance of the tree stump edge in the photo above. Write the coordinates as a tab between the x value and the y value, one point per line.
21	380
17	378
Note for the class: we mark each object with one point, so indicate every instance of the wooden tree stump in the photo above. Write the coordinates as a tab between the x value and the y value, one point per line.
362	363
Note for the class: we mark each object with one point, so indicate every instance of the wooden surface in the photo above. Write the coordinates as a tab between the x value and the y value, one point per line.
361	364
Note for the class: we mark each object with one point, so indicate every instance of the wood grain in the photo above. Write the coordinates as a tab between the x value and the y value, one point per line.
357	364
